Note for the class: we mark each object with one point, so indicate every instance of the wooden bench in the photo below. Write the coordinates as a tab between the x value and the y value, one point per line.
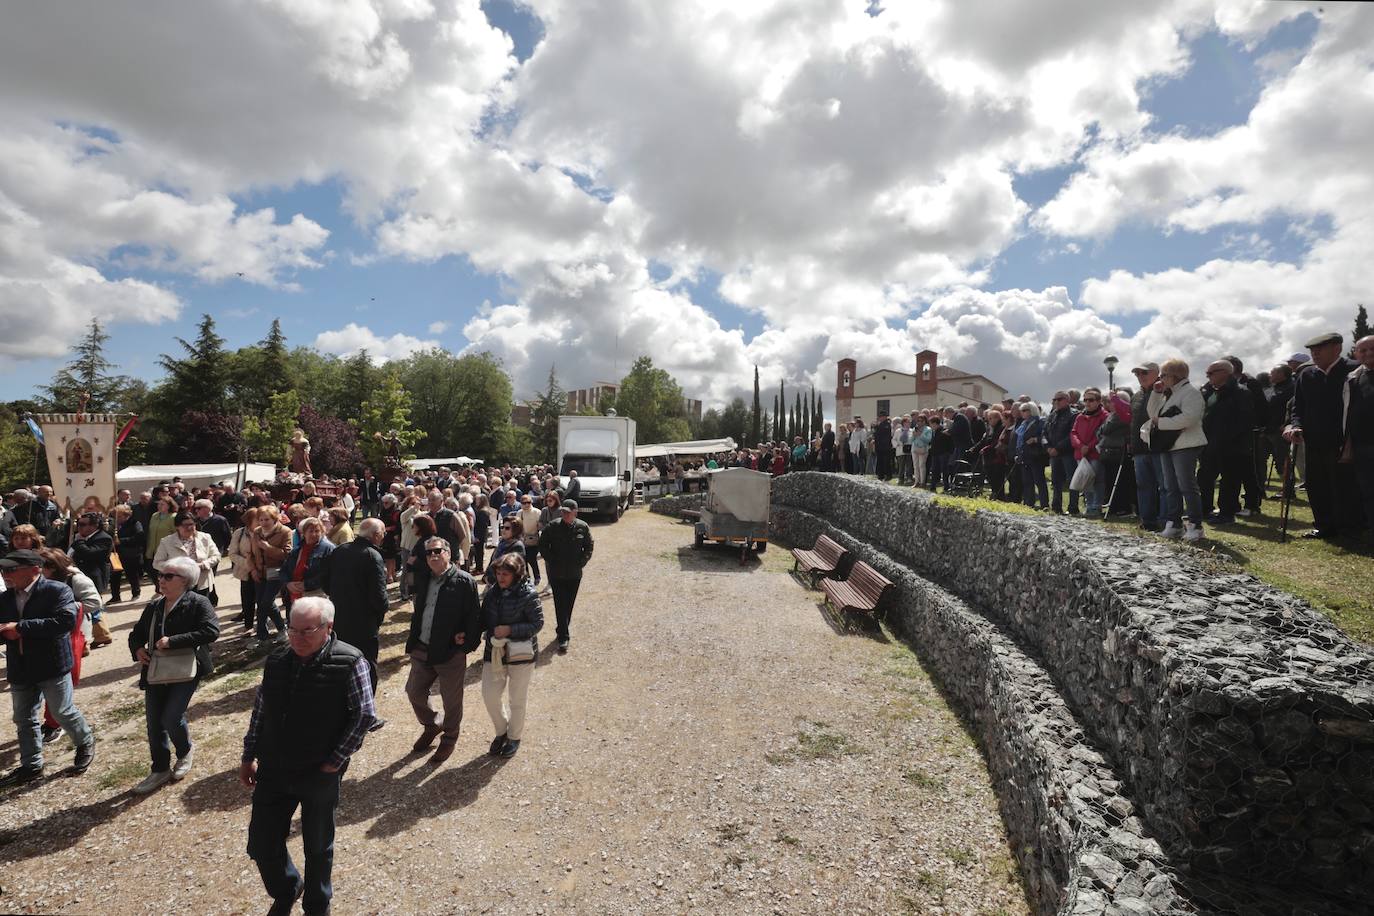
860	593
822	560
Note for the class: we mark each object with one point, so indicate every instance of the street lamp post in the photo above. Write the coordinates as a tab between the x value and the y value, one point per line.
1110	362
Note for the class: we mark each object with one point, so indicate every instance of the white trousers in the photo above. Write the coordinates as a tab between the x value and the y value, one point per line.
496	674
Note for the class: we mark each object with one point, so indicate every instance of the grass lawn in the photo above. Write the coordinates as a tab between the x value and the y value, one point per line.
1336	578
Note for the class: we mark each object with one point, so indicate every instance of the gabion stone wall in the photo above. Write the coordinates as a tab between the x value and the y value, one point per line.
1240	722
670	505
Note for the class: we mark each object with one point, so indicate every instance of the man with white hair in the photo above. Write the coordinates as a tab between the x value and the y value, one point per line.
311	714
354	577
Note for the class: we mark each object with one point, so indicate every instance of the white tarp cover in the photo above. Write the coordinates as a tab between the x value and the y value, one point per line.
424	464
697	447
140	476
743	493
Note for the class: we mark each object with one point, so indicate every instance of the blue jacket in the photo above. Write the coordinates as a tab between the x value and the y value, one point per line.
313	565
517	607
44	648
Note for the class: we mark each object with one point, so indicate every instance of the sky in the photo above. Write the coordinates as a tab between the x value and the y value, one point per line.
718	185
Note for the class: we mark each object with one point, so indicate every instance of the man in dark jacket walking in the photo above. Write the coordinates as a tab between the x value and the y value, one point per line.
882	444
354	578
36	620
445	627
566	547
91	549
311	714
1316	420
1059	448
1228	421
1279	400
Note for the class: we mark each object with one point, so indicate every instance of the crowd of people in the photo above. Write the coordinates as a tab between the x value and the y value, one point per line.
464	547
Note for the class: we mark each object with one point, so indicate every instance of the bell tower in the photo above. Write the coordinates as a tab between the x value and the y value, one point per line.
845	373
927	373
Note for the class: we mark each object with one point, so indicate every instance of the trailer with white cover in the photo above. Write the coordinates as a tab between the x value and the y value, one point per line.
736	510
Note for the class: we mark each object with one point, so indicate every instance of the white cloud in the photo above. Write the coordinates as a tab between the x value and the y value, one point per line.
438	327
353	338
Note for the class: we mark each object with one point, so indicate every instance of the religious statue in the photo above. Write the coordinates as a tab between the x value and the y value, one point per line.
300	453
393	448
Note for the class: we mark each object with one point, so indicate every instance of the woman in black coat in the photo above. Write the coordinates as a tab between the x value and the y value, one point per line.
177	619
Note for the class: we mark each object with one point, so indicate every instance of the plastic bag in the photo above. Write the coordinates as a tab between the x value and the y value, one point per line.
1082	476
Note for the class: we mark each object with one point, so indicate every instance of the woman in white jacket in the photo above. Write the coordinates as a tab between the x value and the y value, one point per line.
186	541
1175	432
240	554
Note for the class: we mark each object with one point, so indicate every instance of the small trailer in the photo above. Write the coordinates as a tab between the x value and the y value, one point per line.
736	510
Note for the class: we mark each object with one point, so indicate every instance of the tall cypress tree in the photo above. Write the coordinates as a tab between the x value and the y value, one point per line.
818	423
756	429
773	428
797	429
1361	323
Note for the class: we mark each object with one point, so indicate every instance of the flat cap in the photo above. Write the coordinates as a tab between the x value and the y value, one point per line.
1147	367
569	505
18	558
1328	337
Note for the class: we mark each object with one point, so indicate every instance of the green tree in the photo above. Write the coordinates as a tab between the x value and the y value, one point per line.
1361	323
88	373
199	380
798	426
267	435
818	422
459	405
357	383
260	371
544	413
653	399
756	427
734	421
710	425
18	448
386	410
773	427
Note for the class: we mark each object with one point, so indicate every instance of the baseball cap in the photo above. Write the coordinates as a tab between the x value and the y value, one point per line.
1147	367
1300	358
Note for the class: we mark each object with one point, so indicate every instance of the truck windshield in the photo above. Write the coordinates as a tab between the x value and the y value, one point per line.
588	466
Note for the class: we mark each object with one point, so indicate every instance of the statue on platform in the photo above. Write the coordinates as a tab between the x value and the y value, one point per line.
300	453
393	448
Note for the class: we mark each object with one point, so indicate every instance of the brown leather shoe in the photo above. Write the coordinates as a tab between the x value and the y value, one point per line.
445	749
426	738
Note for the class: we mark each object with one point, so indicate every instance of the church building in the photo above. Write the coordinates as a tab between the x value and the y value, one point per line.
893	393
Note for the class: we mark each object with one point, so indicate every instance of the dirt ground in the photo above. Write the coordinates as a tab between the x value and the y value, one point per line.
711	744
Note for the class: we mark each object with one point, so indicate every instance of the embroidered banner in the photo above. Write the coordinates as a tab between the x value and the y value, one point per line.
81	457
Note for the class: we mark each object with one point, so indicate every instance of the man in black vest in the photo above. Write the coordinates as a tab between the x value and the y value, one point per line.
566	547
310	716
1317	421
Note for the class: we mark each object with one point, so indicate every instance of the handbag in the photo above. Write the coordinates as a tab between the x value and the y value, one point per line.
519	651
169	666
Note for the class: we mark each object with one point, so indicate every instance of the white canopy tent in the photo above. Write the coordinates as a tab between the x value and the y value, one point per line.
143	476
697	447
424	464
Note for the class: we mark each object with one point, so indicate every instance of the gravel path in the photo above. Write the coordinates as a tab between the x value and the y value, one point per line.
710	745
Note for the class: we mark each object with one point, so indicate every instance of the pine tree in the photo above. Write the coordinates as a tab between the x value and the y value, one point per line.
544	413
199	380
87	374
756	430
274	359
1361	323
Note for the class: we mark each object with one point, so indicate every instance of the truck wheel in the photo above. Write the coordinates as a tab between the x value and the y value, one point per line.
760	546
698	540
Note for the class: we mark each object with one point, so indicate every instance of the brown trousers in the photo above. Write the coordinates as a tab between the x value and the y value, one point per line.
450	677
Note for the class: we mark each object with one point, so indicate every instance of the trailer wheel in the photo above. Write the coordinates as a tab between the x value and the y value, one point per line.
760	546
698	540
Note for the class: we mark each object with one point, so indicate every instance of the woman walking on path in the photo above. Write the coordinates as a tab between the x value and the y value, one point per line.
511	618
180	618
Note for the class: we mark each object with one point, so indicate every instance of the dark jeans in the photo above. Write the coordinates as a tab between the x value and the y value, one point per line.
884	463
904	468
267	606
532	559
997	479
132	572
1364	476
248	601
476	554
937	470
564	597
1149	488
1231	470
1034	474
165	708
275	799
1249	474
1062	467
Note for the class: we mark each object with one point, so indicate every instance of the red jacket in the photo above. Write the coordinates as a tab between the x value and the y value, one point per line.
1084	434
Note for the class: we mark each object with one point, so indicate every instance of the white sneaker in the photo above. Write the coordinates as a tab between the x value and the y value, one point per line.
1193	532
1171	531
1244	513
152	782
183	766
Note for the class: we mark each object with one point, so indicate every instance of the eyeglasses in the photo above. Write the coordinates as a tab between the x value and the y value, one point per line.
436	551
311	631
164	576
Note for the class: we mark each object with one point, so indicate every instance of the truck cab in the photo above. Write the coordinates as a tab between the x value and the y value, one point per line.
601	451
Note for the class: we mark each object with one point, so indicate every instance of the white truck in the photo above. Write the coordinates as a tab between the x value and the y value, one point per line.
602	452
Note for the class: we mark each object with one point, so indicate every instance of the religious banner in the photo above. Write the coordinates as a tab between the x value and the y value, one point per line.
81	457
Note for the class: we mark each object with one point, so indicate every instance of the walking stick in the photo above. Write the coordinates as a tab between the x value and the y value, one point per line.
1107	511
1287	497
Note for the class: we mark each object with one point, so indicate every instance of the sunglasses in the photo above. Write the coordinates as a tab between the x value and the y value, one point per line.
435	551
166	575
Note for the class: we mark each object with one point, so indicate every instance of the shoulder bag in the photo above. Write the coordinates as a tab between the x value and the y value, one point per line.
169	666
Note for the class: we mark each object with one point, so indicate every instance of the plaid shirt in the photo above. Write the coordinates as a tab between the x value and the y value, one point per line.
362	712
